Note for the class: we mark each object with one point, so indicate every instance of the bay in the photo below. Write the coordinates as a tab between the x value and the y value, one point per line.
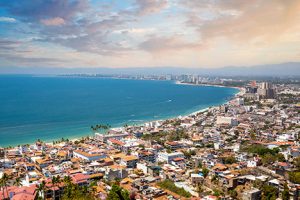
49	108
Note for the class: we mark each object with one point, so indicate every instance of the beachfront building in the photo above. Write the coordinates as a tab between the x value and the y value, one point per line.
88	156
104	137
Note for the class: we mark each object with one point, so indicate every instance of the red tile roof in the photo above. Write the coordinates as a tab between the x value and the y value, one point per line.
79	178
117	142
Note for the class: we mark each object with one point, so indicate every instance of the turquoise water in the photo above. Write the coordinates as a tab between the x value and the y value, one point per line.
50	108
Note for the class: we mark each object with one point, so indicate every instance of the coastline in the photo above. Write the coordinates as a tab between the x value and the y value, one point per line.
143	122
241	92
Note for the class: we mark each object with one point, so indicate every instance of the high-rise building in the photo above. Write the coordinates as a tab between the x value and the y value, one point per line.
266	91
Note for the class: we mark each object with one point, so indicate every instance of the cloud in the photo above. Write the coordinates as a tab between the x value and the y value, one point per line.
160	44
30	61
146	7
241	22
188	32
35	10
7	19
8	44
57	21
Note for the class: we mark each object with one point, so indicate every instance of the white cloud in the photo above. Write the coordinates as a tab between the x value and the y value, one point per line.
7	19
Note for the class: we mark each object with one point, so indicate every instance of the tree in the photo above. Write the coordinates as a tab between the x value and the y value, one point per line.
3	183
2	188
269	192
55	181
285	195
268	159
233	193
68	186
101	126
297	162
205	172
40	189
294	177
230	160
17	182
117	193
169	185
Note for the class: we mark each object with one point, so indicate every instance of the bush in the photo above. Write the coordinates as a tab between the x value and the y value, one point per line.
169	185
294	177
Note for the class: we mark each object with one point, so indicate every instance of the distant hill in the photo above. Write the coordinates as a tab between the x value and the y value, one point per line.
283	69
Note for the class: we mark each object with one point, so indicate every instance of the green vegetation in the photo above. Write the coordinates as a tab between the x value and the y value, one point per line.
189	153
296	162
161	137
117	193
71	190
217	193
268	156
3	184
169	185
229	160
205	172
177	135
233	194
100	126
294	177
285	195
269	192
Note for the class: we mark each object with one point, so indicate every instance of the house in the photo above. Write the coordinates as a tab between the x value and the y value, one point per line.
88	156
19	193
253	194
129	161
115	171
116	143
111	135
173	145
197	179
180	162
146	155
168	157
80	179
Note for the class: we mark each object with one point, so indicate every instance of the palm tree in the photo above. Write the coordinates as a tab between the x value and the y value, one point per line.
40	189
68	186
54	182
67	179
2	188
4	181
58	181
17	182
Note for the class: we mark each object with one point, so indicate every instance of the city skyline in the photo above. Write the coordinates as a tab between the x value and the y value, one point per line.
148	33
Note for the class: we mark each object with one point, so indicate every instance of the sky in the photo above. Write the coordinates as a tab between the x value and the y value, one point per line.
148	33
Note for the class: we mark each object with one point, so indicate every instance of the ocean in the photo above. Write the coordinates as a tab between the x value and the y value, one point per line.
49	108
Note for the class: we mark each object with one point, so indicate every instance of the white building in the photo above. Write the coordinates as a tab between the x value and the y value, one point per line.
226	121
168	157
88	156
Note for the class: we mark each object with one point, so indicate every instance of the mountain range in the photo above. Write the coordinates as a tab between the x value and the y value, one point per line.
282	69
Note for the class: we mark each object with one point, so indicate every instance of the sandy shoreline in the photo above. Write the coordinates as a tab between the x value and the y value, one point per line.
241	92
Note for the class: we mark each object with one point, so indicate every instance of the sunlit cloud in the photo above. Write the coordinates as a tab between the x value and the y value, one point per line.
191	33
57	21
